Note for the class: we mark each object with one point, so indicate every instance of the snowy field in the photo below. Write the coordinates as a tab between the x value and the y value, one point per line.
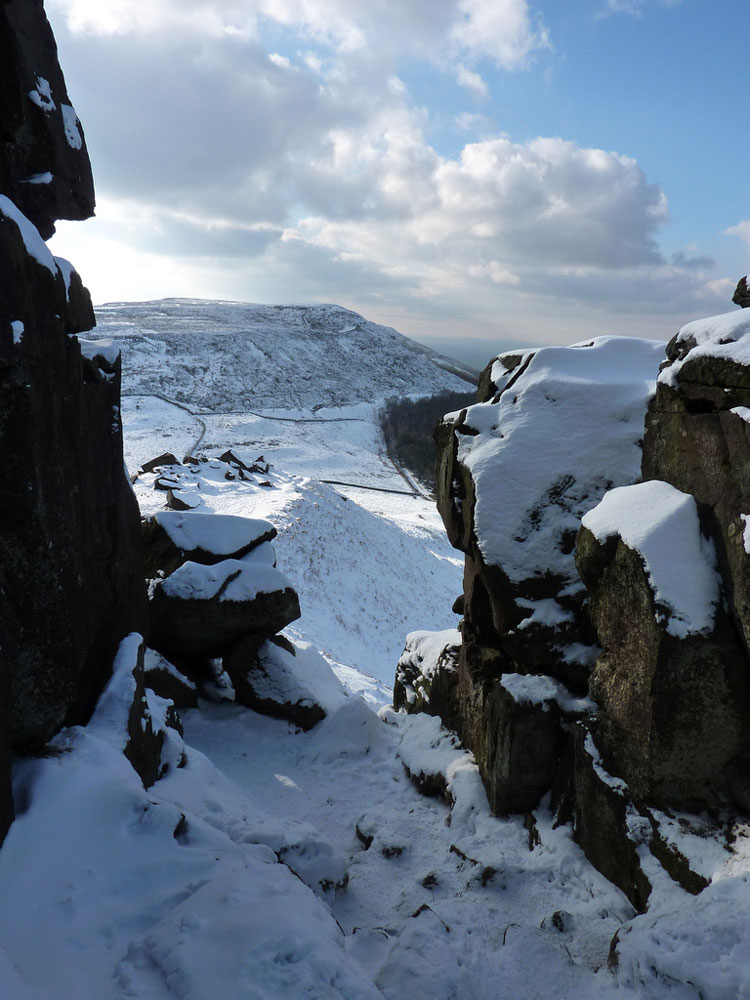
281	865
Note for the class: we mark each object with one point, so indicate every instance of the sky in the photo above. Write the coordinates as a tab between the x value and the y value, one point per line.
480	174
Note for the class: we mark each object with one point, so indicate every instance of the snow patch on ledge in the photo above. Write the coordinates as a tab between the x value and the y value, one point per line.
535	689
104	348
661	524
18	330
35	245
42	95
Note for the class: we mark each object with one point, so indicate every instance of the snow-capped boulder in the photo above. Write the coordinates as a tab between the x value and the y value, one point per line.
427	674
202	611
552	431
284	679
172	538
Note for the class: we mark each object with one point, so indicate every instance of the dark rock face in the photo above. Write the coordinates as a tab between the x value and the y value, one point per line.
70	537
70	578
741	295
44	164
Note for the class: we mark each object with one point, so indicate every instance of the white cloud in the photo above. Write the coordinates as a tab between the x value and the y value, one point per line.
636	7
742	229
305	172
471	80
500	31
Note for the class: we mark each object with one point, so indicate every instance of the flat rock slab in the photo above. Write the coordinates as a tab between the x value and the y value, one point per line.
172	538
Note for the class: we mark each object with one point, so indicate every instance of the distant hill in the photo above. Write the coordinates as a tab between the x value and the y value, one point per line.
231	356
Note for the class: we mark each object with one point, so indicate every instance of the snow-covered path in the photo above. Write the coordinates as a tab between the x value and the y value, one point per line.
445	903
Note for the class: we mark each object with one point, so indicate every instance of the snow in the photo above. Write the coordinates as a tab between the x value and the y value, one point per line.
44	178
35	245
42	95
569	428
18	330
240	358
221	536
302	677
229	580
104	348
71	126
66	269
240	874
724	337
661	524
533	689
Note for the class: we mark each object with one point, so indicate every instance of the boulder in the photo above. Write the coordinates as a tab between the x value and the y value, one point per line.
44	164
173	538
286	680
672	681
203	611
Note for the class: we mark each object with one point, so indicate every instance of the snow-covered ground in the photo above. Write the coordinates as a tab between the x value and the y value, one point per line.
279	865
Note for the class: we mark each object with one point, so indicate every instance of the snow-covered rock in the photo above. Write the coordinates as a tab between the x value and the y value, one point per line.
553	430
173	537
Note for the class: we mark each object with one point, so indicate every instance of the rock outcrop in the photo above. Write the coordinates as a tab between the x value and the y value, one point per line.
552	431
552	467
70	577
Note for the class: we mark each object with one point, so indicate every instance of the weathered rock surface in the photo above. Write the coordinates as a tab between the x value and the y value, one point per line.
70	578
672	681
741	295
553	430
44	164
70	532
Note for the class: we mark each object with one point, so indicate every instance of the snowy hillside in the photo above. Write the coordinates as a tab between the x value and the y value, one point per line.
225	356
277	864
